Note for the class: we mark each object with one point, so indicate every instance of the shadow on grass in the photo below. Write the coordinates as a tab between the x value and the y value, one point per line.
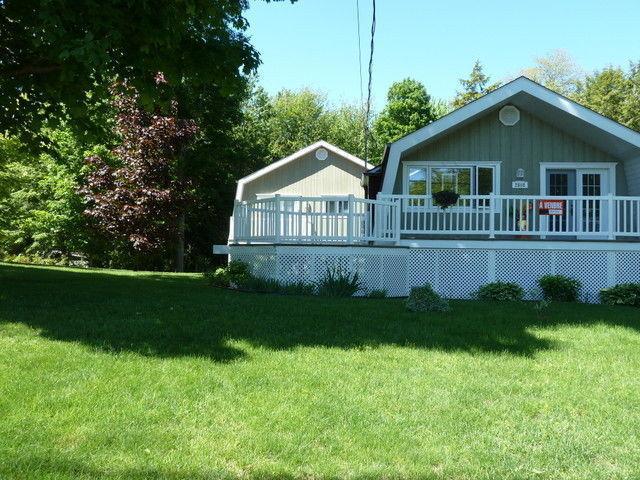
61	467
172	316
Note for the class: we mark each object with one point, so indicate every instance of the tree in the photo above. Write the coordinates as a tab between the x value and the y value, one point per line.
409	107
297	121
614	93
57	56
40	210
606	92
474	87
557	71
143	197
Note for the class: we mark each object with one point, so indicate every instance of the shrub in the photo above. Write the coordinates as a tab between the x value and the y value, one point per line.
622	294
500	292
233	275
258	284
559	288
425	299
218	278
381	293
238	272
338	283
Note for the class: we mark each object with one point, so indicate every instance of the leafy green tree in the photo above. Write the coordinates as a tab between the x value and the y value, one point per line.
297	121
57	56
409	107
557	71
614	93
474	87
40	210
606	92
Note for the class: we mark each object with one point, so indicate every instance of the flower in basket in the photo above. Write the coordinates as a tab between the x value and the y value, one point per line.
445	198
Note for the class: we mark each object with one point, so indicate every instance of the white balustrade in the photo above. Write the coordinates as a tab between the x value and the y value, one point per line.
352	220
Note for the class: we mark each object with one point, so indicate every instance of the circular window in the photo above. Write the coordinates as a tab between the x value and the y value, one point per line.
322	154
509	115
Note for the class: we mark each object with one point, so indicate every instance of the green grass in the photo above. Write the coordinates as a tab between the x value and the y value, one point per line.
124	375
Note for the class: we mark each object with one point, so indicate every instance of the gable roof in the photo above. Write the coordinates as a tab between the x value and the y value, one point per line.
295	156
557	110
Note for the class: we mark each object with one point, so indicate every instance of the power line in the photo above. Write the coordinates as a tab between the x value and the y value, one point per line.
359	54
368	105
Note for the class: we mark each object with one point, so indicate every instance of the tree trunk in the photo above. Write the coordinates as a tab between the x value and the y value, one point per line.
180	244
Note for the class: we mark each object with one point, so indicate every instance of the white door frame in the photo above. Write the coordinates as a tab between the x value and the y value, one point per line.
608	168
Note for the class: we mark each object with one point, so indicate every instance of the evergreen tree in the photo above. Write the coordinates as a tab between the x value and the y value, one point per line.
477	85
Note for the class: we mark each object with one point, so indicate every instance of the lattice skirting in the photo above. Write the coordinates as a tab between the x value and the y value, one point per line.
454	272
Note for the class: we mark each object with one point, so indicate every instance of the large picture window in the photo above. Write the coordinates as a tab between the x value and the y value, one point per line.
463	179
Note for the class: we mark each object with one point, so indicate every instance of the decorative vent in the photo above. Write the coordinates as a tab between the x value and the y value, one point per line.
322	154
509	115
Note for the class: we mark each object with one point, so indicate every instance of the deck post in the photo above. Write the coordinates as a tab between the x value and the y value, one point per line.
234	228
277	219
492	215
350	218
610	216
397	205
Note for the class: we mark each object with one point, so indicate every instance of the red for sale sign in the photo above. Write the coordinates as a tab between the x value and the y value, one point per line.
551	207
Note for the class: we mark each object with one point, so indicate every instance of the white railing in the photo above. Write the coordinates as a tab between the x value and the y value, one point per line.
351	220
325	219
603	217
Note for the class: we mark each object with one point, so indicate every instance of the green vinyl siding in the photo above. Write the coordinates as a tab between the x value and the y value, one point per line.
524	145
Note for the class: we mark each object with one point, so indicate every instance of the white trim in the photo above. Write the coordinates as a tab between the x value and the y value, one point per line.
605	246
502	94
609	166
294	156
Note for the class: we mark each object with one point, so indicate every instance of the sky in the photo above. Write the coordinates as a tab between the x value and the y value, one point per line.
314	43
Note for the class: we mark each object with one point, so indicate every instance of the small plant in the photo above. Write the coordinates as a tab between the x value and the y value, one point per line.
233	275
426	299
445	198
560	288
381	293
500	292
339	283
622	294
218	277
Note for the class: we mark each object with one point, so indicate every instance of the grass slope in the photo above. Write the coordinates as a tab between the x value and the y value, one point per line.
124	375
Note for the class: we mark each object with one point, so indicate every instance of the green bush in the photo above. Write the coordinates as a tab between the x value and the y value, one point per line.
560	288
425	299
238	275
218	277
382	293
500	292
622	294
338	283
233	275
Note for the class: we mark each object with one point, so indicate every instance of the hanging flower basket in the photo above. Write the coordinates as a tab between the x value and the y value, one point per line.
445	198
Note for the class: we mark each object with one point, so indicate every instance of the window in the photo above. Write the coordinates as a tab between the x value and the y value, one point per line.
463	179
337	206
454	179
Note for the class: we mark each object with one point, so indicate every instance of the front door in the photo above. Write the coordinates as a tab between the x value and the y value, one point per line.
586	217
561	183
592	213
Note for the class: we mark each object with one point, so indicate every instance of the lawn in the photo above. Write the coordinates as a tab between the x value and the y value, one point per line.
123	375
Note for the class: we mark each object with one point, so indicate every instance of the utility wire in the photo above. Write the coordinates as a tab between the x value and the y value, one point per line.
368	105
359	54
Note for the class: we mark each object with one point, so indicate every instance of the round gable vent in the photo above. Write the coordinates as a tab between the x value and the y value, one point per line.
509	115
322	154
